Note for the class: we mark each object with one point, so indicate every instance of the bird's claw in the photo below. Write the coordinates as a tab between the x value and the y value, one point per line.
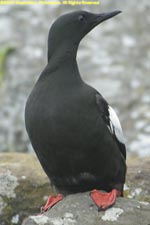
104	200
51	201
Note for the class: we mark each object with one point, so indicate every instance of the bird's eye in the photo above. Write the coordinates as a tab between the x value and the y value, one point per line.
81	18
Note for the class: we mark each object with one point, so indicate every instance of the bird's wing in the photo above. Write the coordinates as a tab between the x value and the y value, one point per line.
110	118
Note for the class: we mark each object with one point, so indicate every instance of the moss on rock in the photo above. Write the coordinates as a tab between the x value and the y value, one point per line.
4	52
138	179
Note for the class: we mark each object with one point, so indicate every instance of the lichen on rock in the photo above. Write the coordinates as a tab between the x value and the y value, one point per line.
112	214
23	186
8	184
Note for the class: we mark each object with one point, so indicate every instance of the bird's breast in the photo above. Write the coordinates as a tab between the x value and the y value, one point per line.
68	117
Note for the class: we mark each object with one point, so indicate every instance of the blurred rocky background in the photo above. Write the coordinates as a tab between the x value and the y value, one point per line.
114	58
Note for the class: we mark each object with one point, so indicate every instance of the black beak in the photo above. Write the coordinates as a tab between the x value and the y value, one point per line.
99	18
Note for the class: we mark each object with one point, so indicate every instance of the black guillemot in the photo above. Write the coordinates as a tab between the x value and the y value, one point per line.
76	135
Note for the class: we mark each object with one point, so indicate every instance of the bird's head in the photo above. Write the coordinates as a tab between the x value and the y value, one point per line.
70	28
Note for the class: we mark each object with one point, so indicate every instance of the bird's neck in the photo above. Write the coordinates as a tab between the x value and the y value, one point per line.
63	57
61	52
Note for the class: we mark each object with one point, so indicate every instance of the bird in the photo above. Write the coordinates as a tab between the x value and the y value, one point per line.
75	133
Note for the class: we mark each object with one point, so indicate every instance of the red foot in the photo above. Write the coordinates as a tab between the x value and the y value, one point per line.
51	201
104	200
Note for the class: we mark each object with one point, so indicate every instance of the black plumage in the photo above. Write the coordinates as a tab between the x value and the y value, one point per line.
70	125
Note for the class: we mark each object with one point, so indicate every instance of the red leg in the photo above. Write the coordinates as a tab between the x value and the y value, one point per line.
104	200
51	201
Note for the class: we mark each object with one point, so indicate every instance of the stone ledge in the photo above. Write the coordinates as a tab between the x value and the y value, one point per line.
78	209
24	186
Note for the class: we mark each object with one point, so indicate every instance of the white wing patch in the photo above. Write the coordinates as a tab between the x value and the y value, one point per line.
115	126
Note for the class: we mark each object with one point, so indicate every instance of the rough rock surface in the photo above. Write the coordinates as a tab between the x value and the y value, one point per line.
78	209
24	187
